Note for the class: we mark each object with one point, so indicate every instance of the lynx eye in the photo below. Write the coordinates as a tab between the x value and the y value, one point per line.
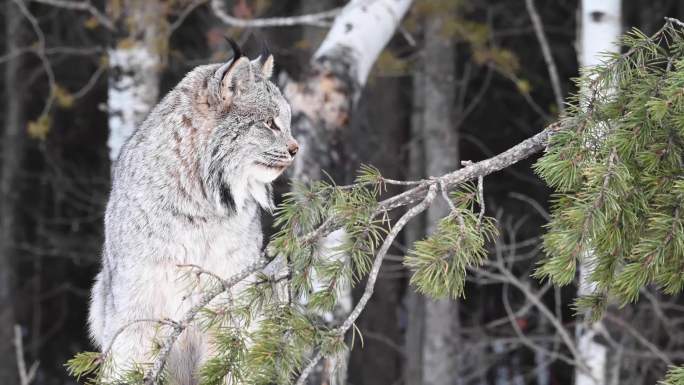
270	123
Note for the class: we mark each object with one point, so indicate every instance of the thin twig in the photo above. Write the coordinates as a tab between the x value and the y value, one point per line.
541	210
320	19
40	52
184	14
546	52
91	82
675	21
81	6
640	337
153	375
108	349
25	377
445	195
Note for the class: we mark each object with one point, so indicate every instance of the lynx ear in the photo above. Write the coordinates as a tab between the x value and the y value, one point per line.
267	67
236	80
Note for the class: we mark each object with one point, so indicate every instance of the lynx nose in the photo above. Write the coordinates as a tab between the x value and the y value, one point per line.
292	147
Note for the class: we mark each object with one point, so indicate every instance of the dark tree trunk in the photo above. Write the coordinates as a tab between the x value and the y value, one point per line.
12	150
431	357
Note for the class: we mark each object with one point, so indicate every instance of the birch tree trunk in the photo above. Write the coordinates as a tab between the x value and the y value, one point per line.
135	60
322	102
600	29
12	150
440	140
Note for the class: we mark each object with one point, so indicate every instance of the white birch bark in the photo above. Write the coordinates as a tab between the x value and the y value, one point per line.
133	91
600	26
135	60
362	30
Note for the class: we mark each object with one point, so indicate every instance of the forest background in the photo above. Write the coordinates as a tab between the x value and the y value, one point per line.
459	80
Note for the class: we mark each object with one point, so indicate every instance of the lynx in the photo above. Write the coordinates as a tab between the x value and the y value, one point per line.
188	188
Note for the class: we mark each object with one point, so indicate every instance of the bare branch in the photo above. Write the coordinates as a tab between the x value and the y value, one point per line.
541	210
25	376
184	14
91	83
108	349
81	6
40	52
674	21
640	337
546	52
320	19
511	156
51	51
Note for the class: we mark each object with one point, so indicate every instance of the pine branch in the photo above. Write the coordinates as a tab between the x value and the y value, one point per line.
153	375
373	275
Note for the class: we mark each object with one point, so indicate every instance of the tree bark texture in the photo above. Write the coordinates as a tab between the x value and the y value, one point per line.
440	140
12	150
135	60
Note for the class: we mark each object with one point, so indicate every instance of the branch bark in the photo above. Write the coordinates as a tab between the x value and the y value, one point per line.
483	168
26	376
319	19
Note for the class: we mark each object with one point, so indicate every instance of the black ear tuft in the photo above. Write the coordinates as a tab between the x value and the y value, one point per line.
237	51
265	52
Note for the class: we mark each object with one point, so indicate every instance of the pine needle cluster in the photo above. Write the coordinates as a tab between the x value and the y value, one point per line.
439	262
618	170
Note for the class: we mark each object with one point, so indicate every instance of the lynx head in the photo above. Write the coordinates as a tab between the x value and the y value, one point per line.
250	144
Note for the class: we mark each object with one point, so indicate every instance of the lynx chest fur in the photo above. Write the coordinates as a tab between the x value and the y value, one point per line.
188	189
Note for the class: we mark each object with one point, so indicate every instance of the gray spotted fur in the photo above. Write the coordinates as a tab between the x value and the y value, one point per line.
187	189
